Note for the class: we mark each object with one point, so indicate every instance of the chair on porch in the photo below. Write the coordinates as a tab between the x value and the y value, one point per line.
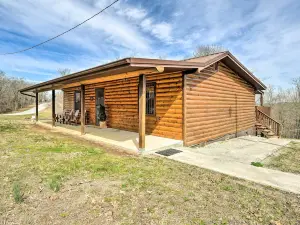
61	118
75	118
68	116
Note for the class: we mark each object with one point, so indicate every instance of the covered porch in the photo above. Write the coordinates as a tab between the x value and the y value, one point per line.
123	140
124	83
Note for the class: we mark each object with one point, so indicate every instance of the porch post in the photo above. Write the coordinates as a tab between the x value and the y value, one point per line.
82	102
36	106
142	111
261	99
53	108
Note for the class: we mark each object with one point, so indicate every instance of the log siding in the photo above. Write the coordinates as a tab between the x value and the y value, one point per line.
121	104
218	103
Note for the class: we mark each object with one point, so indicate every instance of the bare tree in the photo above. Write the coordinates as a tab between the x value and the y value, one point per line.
296	83
64	72
204	50
269	96
10	97
285	105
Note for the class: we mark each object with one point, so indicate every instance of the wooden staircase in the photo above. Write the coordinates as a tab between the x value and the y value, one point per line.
266	126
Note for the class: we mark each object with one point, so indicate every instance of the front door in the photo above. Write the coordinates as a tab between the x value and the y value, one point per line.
100	108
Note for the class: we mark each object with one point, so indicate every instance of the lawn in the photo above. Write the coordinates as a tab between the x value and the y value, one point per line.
287	159
49	178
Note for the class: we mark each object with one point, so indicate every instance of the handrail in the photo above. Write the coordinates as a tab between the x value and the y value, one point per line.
267	116
267	121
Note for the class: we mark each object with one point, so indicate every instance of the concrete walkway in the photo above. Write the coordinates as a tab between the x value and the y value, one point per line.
281	180
233	157
42	107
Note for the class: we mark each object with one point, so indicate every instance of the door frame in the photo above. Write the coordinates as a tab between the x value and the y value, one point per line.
77	91
96	102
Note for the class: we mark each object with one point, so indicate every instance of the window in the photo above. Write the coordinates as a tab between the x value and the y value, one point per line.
77	100
150	99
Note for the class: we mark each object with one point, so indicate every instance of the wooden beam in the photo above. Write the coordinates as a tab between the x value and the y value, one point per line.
160	69
194	71
82	102
53	107
184	112
142	111
262	99
36	106
119	76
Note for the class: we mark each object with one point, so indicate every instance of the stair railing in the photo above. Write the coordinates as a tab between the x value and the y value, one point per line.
268	122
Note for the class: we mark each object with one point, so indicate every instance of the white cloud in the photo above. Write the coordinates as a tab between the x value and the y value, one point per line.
162	31
55	17
133	13
264	35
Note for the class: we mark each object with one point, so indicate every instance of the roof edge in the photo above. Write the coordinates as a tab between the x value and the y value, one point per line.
247	71
107	66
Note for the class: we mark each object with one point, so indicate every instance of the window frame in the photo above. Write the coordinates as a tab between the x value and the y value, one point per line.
154	102
77	91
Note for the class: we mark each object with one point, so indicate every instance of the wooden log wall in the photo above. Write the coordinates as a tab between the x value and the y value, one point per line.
168	119
121	103
218	102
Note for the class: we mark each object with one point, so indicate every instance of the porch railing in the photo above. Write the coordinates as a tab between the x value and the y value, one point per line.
268	122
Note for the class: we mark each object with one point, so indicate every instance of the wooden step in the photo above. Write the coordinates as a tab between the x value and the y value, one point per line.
261	128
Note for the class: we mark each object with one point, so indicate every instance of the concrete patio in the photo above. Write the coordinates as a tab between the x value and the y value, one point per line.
233	157
245	149
121	139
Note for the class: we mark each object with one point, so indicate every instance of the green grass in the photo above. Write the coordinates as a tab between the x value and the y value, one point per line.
69	181
257	164
55	183
18	196
288	159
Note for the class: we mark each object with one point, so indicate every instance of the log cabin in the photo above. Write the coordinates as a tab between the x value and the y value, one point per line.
196	100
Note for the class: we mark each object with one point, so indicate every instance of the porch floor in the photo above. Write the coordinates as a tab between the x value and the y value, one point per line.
126	140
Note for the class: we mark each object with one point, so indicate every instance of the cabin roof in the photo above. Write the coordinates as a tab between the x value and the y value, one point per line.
133	64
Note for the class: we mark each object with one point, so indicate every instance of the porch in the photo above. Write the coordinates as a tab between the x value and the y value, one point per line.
137	95
124	140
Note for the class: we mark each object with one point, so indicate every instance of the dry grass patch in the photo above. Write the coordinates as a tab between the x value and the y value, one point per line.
67	181
287	159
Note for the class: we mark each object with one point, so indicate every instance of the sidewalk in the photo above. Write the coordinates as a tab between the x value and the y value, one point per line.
281	180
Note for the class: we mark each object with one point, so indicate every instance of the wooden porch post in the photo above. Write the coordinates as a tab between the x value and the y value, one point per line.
142	111
53	108
36	106
82	102
261	99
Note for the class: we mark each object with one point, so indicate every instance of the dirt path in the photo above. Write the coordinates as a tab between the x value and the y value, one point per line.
42	107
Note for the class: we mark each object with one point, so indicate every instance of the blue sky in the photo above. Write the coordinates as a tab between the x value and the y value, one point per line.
264	35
